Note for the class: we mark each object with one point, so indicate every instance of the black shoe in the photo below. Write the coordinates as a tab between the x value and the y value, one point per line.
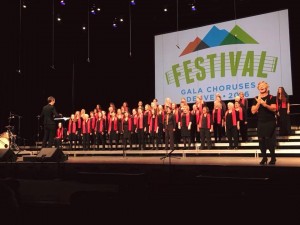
272	162
264	161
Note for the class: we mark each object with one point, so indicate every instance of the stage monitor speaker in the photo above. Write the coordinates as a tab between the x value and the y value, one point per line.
7	155
51	155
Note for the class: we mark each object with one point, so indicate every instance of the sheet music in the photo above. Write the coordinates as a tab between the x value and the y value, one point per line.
62	118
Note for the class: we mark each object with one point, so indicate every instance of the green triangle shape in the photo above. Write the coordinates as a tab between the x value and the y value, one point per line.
231	40
243	36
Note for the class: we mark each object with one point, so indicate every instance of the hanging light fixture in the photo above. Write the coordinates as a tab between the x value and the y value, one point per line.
62	2
193	6
132	2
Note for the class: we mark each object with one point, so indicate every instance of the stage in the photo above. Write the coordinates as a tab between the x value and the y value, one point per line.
144	189
195	160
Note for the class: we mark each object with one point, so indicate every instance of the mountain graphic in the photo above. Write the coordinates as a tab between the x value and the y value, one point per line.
238	36
217	37
192	46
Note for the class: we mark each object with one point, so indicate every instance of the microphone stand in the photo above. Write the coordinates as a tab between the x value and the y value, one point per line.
38	132
19	126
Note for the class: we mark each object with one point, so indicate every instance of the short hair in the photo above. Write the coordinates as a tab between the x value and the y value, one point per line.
50	99
207	109
237	98
263	83
230	104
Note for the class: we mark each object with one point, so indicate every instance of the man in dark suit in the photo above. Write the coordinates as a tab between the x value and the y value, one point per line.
169	128
48	114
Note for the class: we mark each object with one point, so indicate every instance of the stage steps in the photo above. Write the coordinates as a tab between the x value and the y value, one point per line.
286	145
180	152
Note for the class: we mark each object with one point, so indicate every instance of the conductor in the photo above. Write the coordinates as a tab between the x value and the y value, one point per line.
48	114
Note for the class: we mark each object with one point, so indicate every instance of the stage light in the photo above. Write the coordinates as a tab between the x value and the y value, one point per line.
165	9
132	2
24	5
94	9
62	2
117	21
93	12
193	7
58	18
83	27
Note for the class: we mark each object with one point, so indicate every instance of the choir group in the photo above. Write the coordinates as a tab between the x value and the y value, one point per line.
156	126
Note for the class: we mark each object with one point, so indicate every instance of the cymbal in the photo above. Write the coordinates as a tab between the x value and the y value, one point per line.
9	127
11	117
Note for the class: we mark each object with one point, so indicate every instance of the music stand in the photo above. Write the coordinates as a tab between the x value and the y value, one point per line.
169	155
62	118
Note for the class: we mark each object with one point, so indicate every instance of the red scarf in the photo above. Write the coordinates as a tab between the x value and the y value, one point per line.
59	132
200	106
241	115
115	121
86	127
283	104
176	115
148	115
79	123
197	116
135	119
72	127
92	122
233	116
99	127
218	115
207	120
129	124
187	118
151	124
140	121
242	101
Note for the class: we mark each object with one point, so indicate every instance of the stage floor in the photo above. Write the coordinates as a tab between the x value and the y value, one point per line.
138	187
290	161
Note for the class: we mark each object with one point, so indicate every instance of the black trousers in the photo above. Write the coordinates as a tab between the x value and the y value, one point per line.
49	134
169	136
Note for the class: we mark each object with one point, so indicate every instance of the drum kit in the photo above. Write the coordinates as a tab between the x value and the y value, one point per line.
8	139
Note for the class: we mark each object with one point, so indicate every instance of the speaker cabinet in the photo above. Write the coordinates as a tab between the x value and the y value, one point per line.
51	155
7	155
